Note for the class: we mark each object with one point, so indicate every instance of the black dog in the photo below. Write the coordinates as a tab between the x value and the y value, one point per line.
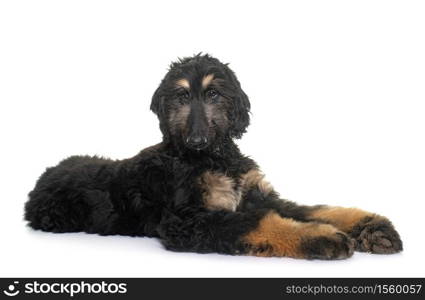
195	190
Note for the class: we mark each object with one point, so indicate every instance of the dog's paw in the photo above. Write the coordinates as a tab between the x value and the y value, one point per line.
377	235
336	246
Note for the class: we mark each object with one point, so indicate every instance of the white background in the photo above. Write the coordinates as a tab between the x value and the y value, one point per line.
338	101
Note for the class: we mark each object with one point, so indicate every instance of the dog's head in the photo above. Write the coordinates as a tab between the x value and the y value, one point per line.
199	102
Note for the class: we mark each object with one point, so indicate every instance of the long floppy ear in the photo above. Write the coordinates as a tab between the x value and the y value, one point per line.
240	114
239	108
158	107
157	101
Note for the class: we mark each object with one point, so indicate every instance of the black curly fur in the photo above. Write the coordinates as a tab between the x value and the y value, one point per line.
156	193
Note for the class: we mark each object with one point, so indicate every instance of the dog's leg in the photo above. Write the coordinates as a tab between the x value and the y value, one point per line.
277	236
372	232
260	233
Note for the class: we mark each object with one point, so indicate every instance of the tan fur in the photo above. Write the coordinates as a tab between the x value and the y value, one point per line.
254	178
214	113
219	191
342	218
184	83
283	236
209	111
178	118
207	80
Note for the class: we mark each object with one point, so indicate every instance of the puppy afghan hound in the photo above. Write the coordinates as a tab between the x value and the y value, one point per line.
195	190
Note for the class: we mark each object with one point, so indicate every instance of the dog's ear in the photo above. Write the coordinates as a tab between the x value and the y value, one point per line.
240	114
157	103
240	110
158	107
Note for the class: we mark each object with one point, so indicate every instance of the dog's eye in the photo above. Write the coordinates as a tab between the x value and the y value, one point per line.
212	94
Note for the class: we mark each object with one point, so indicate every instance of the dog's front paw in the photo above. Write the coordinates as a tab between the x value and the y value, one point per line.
335	246
376	234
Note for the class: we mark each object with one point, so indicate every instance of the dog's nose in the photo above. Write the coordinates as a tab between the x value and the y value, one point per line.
197	142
